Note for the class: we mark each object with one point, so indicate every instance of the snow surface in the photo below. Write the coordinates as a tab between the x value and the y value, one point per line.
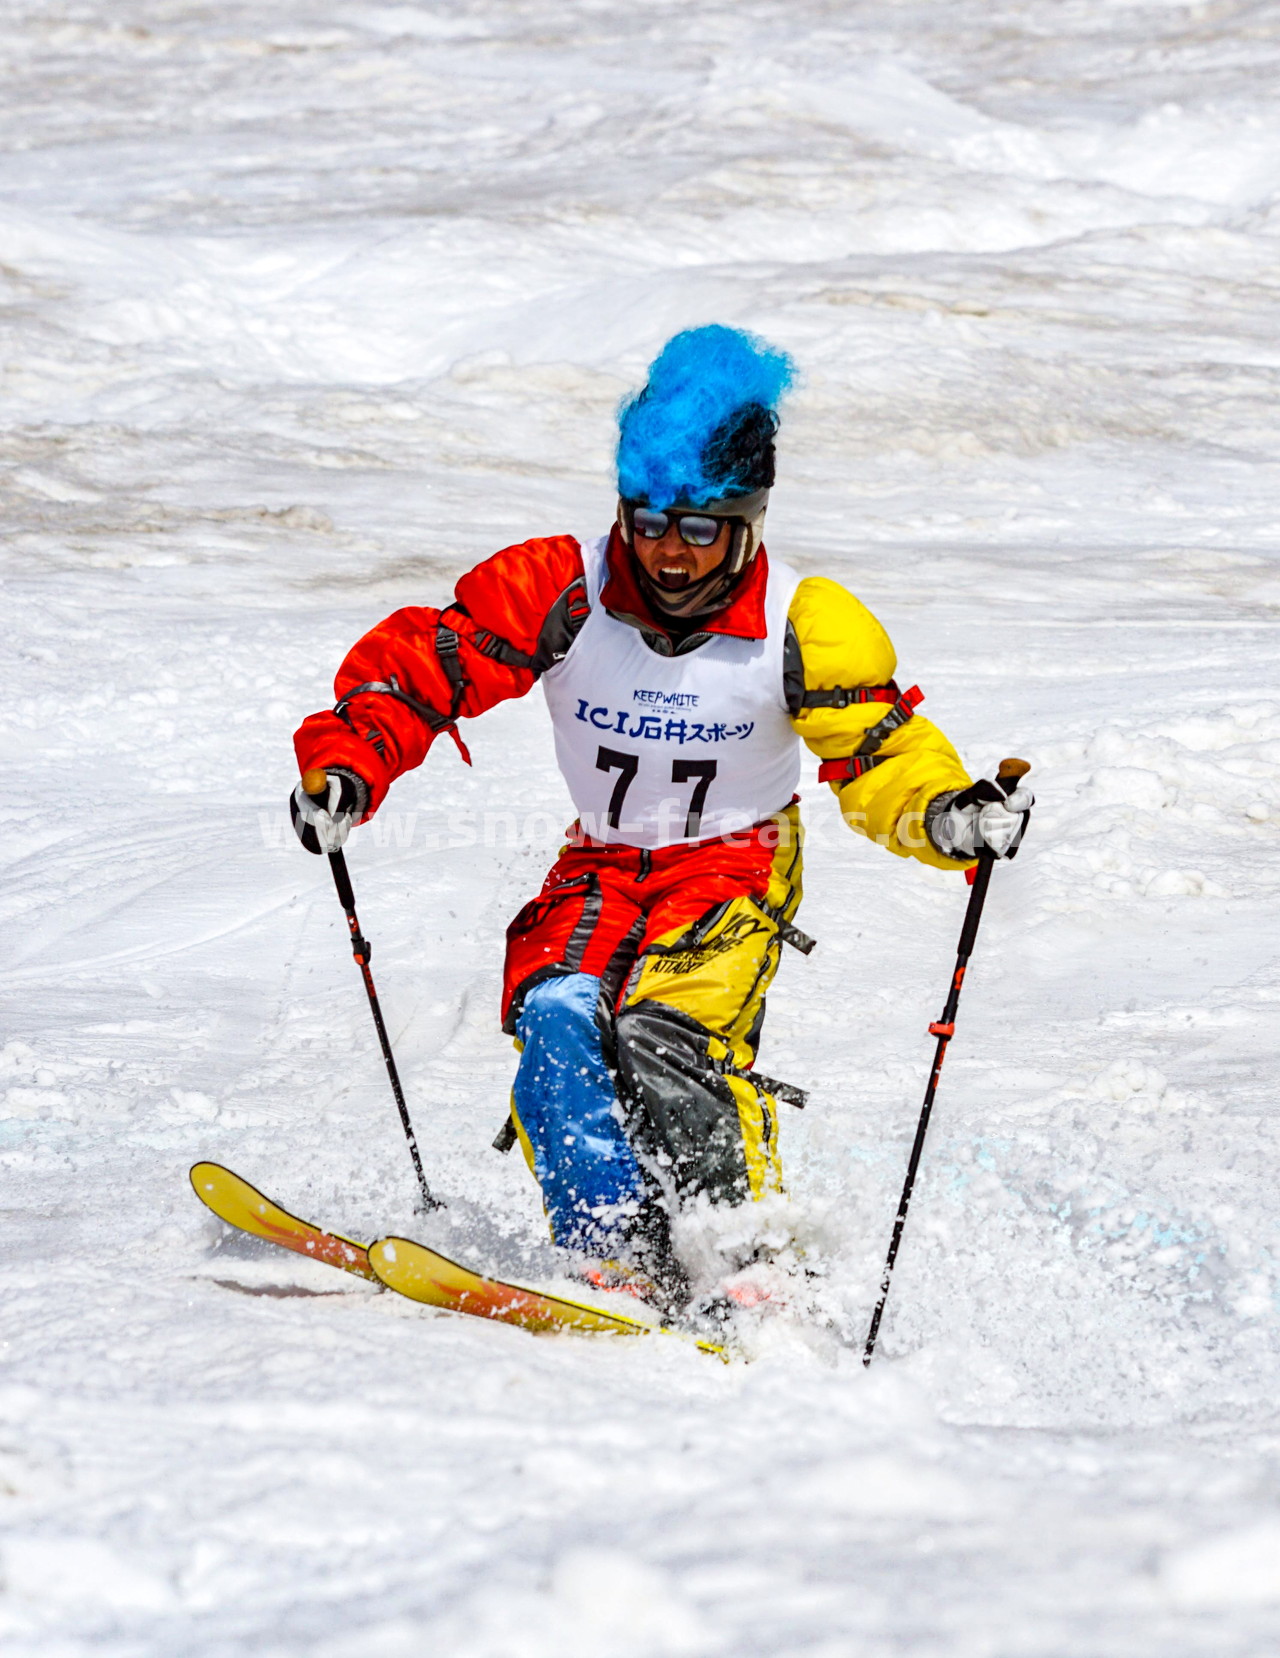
305	307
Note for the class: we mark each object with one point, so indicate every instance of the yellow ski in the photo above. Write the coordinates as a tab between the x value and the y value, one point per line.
425	1275
243	1206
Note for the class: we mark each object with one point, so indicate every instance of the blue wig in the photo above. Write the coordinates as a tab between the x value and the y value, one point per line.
675	436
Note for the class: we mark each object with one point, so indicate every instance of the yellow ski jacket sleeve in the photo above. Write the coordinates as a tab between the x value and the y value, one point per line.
882	760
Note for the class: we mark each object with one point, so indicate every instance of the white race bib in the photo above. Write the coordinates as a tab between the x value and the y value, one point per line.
662	749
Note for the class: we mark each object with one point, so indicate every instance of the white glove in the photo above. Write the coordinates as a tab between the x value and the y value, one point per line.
323	825
961	825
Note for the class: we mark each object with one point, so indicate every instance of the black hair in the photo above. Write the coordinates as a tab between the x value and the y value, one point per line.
739	454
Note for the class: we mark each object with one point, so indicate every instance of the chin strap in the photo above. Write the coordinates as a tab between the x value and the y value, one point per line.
711	593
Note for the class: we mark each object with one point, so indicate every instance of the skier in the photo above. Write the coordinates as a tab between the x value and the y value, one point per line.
681	666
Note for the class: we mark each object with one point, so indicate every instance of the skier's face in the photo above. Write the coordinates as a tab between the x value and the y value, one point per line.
672	564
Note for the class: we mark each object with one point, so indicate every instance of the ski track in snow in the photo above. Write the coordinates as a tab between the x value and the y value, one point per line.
305	308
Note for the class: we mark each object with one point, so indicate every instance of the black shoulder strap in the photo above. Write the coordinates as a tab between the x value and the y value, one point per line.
486	642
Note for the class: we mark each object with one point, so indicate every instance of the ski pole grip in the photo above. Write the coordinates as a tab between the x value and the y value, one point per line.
315	783
1008	776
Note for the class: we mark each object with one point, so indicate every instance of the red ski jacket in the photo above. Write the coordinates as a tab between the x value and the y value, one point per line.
421	670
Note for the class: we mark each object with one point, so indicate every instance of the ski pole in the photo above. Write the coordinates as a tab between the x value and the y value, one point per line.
316	784
1008	777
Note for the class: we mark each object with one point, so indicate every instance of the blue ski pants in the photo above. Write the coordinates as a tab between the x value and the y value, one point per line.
567	1113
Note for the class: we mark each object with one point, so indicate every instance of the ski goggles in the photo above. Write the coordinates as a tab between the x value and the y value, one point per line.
696	529
698	526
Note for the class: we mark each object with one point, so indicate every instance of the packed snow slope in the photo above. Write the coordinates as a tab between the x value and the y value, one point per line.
304	308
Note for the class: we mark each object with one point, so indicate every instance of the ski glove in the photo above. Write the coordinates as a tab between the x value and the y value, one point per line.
323	825
965	822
